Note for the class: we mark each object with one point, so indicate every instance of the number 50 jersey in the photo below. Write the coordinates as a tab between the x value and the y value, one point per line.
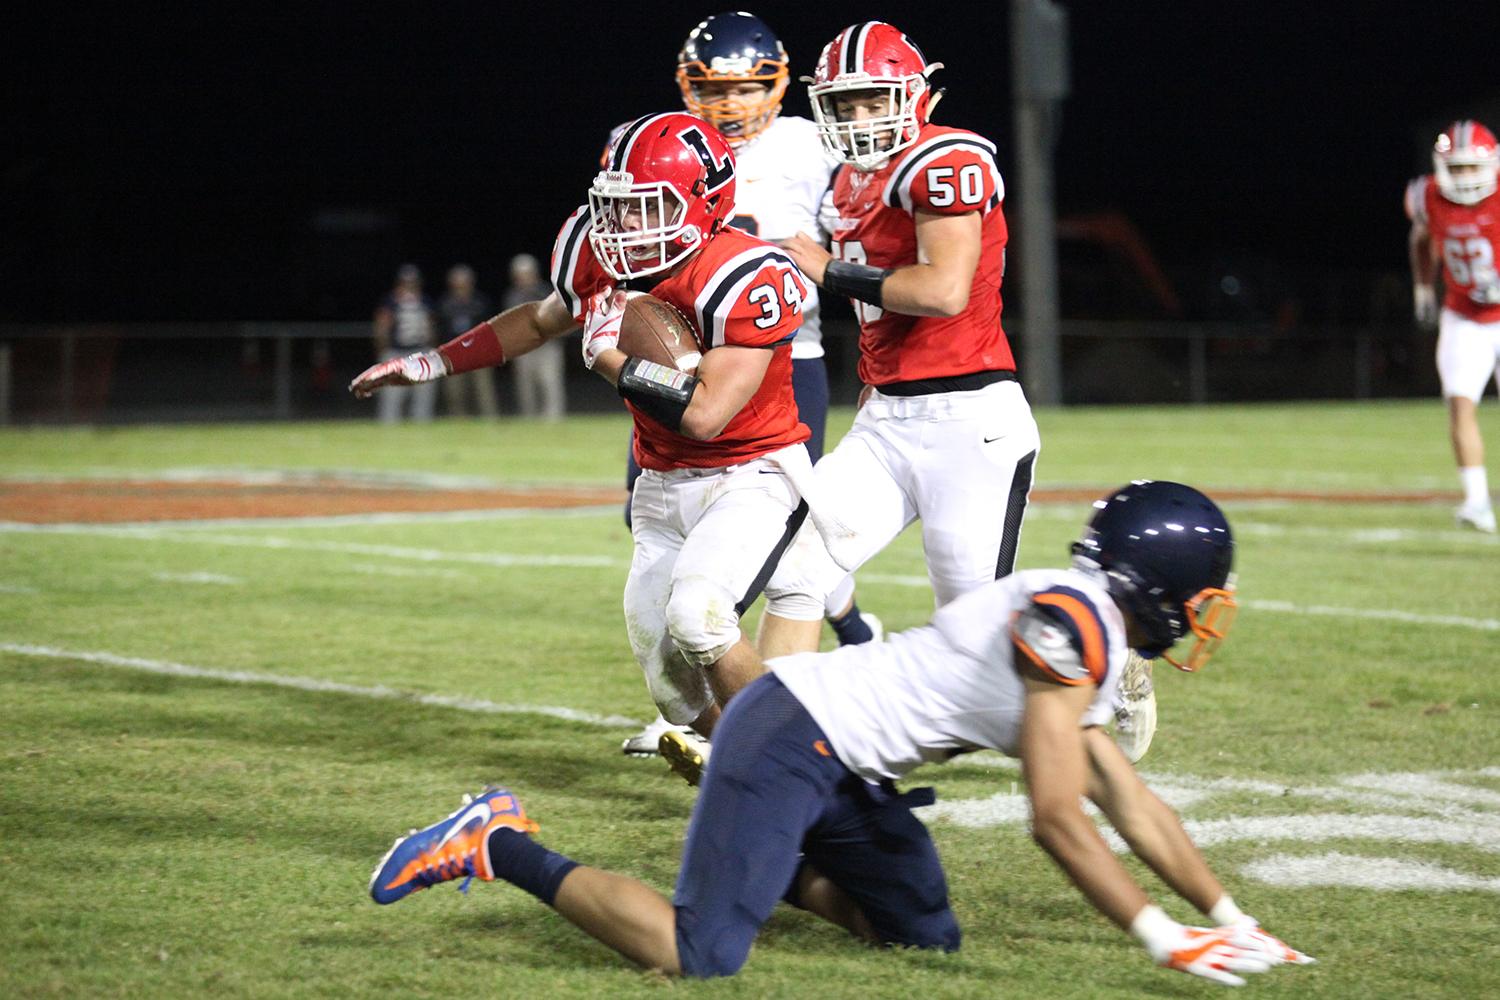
736	291
948	171
1466	236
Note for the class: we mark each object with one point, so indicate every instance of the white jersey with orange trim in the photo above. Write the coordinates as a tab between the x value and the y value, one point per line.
1466	238
952	685
948	171
736	290
781	176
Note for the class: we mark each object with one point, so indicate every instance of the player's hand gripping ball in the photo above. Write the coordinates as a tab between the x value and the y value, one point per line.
655	331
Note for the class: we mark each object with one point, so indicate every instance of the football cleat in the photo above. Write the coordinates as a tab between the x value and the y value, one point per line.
450	848
644	743
1478	518
1135	708
686	755
876	626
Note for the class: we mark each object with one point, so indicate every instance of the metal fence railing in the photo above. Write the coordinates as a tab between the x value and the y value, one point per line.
155	372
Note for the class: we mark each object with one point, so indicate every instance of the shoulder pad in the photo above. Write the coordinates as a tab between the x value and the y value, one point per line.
1062	635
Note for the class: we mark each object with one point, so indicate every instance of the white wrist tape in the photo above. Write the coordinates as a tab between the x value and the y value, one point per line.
1157	932
1225	912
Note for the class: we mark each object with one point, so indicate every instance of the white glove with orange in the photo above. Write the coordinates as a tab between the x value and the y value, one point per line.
601	325
1222	954
423	366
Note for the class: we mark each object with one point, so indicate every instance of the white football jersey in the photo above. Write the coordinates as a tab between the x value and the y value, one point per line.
780	178
952	684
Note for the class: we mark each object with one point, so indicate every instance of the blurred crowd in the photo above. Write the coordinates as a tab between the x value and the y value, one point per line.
408	320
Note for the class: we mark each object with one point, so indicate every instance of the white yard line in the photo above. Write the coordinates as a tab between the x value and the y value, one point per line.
1334	868
157	534
328	520
313	684
1488	624
274	477
1367	536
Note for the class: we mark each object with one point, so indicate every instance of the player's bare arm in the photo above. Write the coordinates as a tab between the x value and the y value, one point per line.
512	333
1056	764
727	377
1147	824
937	284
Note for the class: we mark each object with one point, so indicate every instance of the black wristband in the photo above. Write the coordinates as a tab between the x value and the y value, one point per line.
660	392
857	281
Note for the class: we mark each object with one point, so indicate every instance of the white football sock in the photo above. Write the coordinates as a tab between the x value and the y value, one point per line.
1476	486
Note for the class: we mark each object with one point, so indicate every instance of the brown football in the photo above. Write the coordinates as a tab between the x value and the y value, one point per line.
656	331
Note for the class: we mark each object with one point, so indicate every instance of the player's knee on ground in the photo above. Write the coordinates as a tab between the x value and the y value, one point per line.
702	620
707	956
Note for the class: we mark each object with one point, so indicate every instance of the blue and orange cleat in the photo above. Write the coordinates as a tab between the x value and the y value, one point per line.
449	849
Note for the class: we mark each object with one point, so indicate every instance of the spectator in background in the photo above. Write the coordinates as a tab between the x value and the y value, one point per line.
462	309
403	324
539	374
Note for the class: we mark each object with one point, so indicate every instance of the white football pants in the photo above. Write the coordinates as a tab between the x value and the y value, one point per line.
706	543
962	462
1467	354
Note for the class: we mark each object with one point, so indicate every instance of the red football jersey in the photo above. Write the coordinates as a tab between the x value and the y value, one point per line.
1465	236
737	291
948	171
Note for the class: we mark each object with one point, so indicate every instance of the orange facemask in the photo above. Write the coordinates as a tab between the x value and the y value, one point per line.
1210	614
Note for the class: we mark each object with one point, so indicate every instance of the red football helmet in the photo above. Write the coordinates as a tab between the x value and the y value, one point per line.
666	189
1470	147
875	58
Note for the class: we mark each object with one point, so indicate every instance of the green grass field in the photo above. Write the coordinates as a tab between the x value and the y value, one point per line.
169	836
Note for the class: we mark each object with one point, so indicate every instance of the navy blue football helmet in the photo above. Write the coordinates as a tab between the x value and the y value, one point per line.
733	48
1167	553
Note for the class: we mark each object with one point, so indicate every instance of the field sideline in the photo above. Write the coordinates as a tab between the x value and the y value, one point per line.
211	731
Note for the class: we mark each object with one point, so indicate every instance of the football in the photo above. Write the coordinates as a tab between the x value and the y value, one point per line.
656	331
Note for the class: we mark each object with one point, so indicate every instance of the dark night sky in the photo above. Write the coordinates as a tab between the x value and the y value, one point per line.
169	162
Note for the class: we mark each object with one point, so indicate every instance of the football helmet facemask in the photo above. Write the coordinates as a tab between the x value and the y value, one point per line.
871	59
733	49
666	189
1471	147
1165	552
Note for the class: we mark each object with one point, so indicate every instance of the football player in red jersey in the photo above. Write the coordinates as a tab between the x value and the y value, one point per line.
712	512
1455	218
944	433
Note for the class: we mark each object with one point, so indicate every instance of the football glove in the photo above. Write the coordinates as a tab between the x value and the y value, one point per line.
601	328
1246	933
1424	305
421	367
1199	951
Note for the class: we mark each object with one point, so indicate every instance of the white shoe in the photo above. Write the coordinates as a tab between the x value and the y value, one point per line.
685	753
1478	518
645	742
1135	708
875	625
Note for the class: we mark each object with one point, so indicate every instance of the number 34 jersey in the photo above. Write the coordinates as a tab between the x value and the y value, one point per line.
1466	237
947	171
736	291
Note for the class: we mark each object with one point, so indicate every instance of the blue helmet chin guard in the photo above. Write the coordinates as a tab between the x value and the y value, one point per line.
1166	552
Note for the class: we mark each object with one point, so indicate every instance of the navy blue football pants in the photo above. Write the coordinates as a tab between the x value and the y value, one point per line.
775	797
